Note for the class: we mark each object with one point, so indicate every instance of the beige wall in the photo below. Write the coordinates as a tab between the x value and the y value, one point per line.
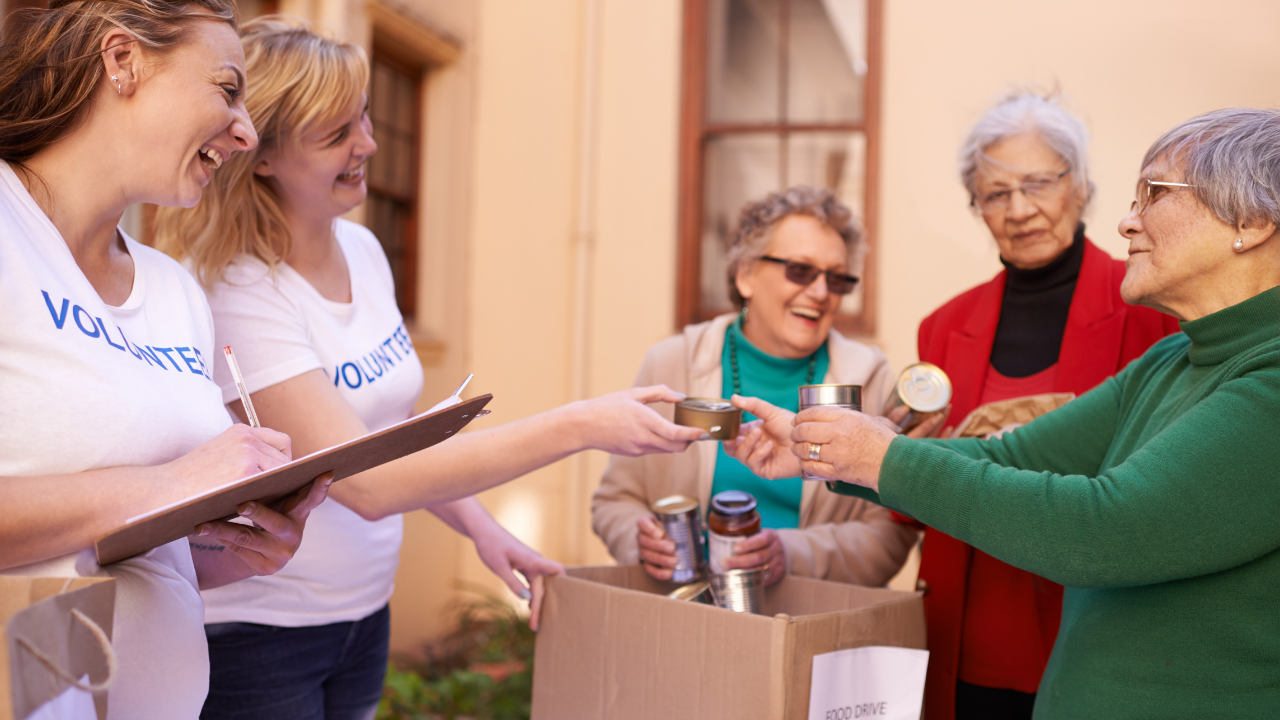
552	98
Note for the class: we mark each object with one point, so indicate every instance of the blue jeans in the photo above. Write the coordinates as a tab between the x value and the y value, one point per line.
323	672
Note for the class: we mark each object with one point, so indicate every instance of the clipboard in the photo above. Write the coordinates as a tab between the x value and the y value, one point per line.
178	520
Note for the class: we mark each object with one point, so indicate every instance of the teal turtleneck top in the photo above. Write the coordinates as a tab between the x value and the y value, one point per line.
774	380
1155	499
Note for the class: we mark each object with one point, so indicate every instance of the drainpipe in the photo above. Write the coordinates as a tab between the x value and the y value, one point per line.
584	245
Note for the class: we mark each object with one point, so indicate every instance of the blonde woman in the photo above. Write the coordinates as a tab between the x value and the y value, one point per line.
302	294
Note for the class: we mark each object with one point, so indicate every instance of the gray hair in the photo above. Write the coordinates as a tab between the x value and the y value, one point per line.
757	220
1026	112
1232	158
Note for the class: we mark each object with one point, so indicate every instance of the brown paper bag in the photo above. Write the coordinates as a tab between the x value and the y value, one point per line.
991	417
55	631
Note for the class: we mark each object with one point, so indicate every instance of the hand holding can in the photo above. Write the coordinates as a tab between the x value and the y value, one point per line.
923	391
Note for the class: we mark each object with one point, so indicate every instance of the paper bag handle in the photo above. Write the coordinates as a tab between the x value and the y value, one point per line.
107	651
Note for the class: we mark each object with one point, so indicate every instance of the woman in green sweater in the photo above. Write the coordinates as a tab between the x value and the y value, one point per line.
1153	498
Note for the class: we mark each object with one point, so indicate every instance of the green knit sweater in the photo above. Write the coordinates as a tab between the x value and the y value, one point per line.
1155	499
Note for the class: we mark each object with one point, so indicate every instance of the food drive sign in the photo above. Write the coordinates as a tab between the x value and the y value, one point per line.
884	683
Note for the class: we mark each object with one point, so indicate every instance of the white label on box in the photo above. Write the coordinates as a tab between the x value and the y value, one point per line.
884	683
719	549
72	704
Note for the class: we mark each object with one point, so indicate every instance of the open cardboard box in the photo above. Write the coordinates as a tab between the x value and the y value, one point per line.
612	646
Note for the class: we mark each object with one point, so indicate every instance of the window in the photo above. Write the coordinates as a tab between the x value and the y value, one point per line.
391	211
777	93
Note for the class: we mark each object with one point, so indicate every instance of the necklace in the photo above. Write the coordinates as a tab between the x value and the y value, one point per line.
733	364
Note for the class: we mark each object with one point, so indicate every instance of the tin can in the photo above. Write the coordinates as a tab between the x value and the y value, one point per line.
681	519
740	590
845	396
720	418
925	389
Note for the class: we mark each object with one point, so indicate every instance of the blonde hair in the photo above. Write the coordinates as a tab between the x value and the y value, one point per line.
296	80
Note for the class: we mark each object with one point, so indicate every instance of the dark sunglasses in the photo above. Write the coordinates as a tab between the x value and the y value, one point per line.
804	274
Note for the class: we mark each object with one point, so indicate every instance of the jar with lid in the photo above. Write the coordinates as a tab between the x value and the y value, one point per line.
733	517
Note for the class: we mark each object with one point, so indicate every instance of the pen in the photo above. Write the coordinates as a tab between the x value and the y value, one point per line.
244	391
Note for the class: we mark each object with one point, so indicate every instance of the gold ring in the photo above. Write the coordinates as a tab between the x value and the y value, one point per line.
814	449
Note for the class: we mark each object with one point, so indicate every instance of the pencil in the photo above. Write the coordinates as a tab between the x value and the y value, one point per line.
244	391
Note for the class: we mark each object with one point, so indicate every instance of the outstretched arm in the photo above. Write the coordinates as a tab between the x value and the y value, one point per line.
316	416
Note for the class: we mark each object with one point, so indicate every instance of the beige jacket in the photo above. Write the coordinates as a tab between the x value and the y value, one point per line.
840	538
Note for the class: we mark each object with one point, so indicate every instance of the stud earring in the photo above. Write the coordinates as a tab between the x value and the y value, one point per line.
1239	244
116	80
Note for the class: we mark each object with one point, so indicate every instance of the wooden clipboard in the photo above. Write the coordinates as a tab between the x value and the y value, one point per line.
179	520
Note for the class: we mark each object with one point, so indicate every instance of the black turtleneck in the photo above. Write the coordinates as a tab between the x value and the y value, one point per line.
1033	313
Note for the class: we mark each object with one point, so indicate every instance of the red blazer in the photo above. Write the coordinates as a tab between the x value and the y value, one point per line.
1102	335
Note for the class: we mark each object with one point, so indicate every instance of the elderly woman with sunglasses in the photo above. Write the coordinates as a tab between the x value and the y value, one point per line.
789	266
1152	498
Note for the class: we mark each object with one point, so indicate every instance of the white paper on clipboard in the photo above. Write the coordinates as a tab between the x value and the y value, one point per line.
884	683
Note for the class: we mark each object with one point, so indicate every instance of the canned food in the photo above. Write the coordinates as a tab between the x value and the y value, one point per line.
845	396
720	418
740	590
681	519
733	517
924	389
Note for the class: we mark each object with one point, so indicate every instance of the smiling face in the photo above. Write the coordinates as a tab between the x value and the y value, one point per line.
321	174
190	114
1030	232
1178	249
786	319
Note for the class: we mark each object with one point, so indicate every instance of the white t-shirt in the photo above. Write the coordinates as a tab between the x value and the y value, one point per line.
87	386
281	327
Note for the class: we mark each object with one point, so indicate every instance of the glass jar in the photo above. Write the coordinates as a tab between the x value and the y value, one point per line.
733	517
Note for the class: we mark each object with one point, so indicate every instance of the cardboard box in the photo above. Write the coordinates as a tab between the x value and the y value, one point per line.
612	646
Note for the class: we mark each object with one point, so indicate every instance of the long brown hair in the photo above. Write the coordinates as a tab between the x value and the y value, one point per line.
296	80
51	60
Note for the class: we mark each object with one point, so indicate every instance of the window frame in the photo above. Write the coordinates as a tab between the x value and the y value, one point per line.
407	290
695	133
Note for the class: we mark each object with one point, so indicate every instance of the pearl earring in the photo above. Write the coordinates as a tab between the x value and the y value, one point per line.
1239	245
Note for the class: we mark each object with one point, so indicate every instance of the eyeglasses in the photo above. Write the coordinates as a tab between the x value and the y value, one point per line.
804	274
1150	190
1033	188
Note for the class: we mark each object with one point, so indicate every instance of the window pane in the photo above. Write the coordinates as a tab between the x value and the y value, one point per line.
835	161
742	61
388	220
739	169
827	63
393	96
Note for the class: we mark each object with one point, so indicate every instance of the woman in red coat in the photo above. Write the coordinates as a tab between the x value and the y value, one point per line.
1052	321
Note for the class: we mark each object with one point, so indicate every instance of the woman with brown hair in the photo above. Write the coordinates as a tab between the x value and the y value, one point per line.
106	353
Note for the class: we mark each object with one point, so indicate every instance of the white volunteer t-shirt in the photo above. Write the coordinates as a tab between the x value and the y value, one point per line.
87	386
281	327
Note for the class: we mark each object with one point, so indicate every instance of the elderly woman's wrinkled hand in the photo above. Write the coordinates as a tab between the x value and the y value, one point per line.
762	445
849	444
930	426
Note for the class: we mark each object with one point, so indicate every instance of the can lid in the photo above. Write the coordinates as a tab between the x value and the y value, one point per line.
690	591
924	387
673	504
707	404
733	502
